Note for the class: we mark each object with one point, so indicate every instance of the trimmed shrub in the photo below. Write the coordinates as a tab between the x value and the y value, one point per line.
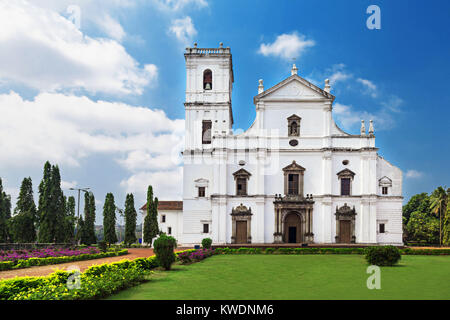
102	245
163	247
383	256
206	243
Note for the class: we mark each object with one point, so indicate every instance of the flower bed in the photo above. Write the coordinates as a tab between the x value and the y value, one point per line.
35	261
15	255
190	256
405	251
96	282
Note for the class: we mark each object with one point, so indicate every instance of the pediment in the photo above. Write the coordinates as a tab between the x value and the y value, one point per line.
385	182
242	173
294	88
346	173
294	167
201	182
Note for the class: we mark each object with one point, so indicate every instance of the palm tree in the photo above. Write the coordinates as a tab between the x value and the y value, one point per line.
438	205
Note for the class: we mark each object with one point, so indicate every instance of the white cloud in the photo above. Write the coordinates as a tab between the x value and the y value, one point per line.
68	184
176	5
413	174
112	27
350	118
183	29
167	184
65	129
42	49
370	87
287	46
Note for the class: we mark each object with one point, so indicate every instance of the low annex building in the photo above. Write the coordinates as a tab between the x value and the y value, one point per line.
293	177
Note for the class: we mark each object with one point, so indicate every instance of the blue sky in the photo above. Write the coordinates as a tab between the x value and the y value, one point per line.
105	100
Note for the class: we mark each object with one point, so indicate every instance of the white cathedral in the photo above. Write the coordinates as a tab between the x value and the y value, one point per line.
293	177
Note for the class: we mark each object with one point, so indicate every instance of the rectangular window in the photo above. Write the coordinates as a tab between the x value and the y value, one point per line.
382	228
206	132
293	184
205	228
169	230
241	186
345	186
163	218
201	192
384	190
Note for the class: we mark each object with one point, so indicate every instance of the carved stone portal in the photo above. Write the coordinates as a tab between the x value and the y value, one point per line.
241	217
345	224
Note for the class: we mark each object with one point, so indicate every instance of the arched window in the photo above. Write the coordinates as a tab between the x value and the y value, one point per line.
207	79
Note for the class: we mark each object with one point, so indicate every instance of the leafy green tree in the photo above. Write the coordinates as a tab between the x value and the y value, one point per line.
109	219
130	220
423	227
22	225
5	214
438	206
446	224
419	202
151	229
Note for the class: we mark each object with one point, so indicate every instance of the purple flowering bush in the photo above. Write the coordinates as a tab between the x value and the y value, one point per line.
194	256
15	255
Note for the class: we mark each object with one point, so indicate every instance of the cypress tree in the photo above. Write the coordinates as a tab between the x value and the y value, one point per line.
147	238
59	206
23	222
5	214
52	206
44	209
151	219
130	220
89	219
70	220
91	223
109	219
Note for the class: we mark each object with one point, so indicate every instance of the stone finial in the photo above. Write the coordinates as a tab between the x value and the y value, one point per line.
294	70
221	45
363	128
327	86
260	86
371	130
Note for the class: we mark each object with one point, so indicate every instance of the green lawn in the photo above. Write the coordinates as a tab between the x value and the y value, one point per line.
245	277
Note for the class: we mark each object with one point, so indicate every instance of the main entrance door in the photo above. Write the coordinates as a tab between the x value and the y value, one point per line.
292	235
241	231
292	228
345	231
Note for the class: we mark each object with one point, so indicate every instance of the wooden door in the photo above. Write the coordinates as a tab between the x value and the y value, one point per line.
345	231
241	231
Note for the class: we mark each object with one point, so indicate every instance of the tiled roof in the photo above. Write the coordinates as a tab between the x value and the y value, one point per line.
167	205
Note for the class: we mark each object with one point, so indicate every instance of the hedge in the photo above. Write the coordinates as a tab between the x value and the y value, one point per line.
96	282
406	251
31	262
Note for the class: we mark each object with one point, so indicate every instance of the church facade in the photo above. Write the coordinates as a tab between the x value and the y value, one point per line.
293	177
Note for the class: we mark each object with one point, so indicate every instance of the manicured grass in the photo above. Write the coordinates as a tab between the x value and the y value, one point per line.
296	277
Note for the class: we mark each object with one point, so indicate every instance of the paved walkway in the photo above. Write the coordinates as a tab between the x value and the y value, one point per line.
83	265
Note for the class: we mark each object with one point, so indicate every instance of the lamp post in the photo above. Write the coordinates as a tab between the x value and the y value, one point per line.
85	190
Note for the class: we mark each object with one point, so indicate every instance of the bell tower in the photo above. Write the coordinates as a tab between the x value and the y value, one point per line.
209	83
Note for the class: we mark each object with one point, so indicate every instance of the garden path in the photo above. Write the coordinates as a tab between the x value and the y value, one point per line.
83	265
